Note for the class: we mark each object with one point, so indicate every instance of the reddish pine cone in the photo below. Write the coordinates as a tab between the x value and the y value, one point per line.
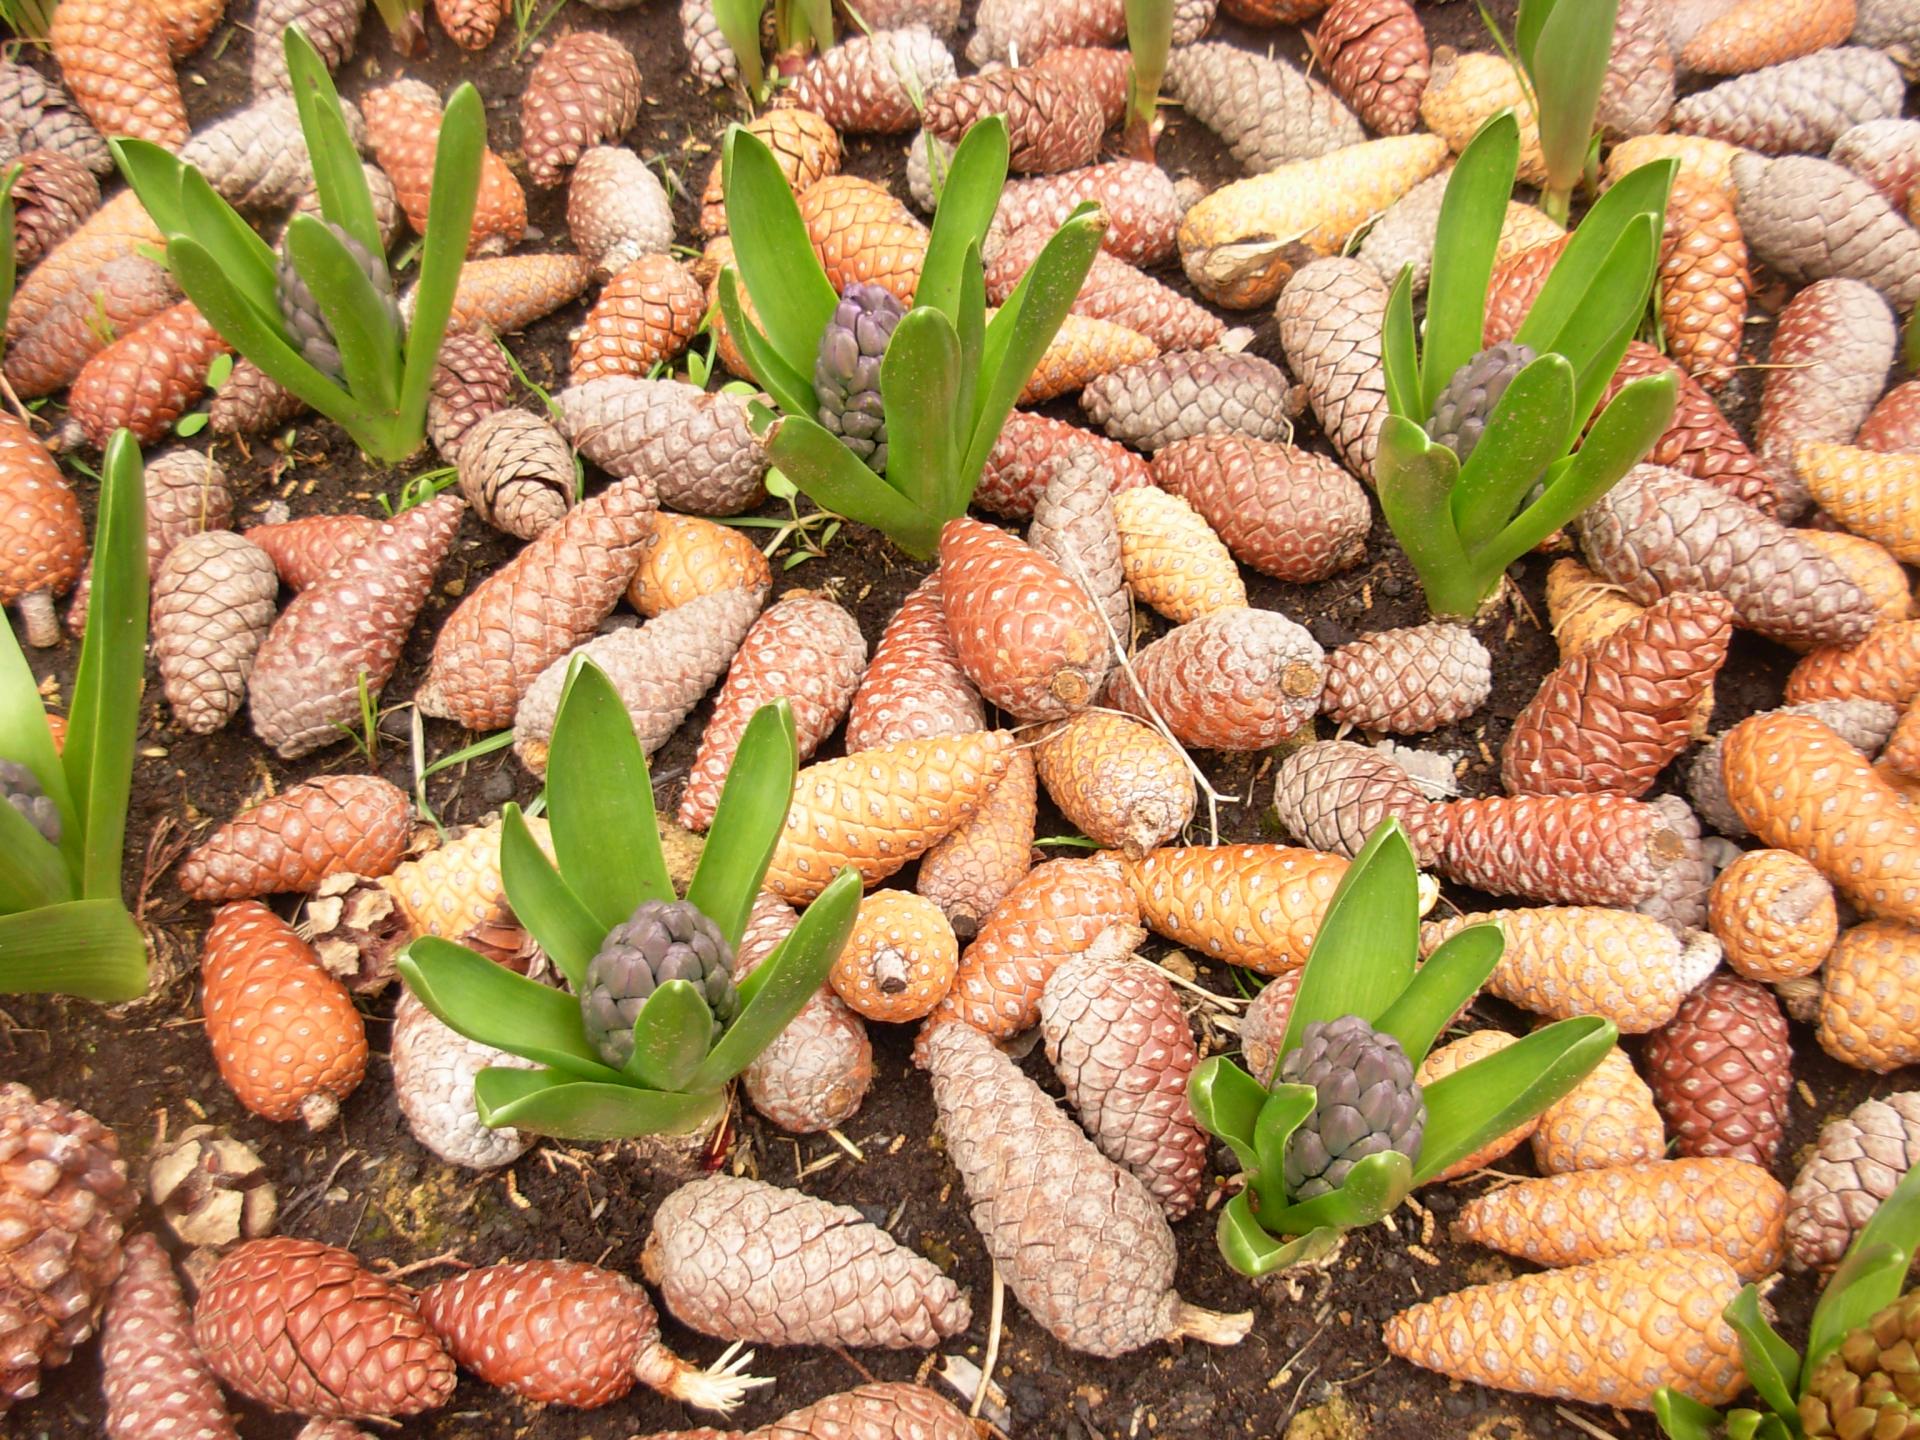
1021	462
1881	152
1288	513
1611	718
974	867
114	57
805	649
1332	793
1113	290
333	825
743	1260
145	380
64	1199
1105	73
585	91
1235	680
1330	317
1722	1070
298	1326
535	608
340	638
1376	56
645	316
283	1030
1121	1045
471	380
1858	1160
1700	441
1003	27
1894	425
1407	682
889	1411
1826	366
875	84
1563	849
305	551
914	689
564	1333
42	543
1883	667
1143	208
115	231
403	127
471	24
85	318
1703	282
1053	122
1774	913
1122	784
52	196
154	1380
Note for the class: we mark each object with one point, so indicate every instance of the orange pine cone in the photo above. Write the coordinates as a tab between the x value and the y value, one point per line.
1609	1333
114	56
1902	755
1703	161
1253	905
1608	1119
1884	667
1454	1055
900	960
145	380
1517	282
1703	282
1172	558
1800	787
1868	565
471	24
1082	350
879	809
1773	913
1871	493
1870	1001
115	231
403	127
1753	34
1733	1208
1121	782
42	542
1057	911
647	314
187	23
284	1032
972	870
805	146
510	292
691	557
333	825
862	233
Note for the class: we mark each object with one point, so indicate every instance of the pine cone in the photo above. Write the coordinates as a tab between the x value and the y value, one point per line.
890	1411
1031	27
307	550
660	670
517	473
1700	441
1235	680
697	449
154	1379
120	296
804	145
1285	512
875	84
1607	1120
617	209
709	56
900	960
1465	89
1584	610
40	116
42	544
1119	1040
257	158
976	865
914	689
1884	667
1756	33
114	58
1332	793
1407	682
1803	105
403	126
1703	283
1075	526
1516	283
1827	364
1376	56
691	557
1858	1160
340	638
1810	219
52	197
585	91
335	825
1894	425
1053	122
471	380
1113	290
1241	244
332	26
1331	317
816	1072
248	402
510	292
1867	1017
1081	351
1863	724
1106	74
1562	849
64	1199
457	888
1638	94
300	1326
1006	1136
1020	465
535	608
1873	495
1441	1062
1882	153
861	233
743	1260
1171	558
1266	111
145	380
1120	783
471	24
1143	208
1722	1070
1774	912
116	231
213	600
1177	397
1253	905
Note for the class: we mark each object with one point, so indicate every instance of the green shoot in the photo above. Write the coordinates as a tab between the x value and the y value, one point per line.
1150	38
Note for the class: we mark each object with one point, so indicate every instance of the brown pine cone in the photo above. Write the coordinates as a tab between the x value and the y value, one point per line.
471	24
64	1199
116	231
213	600
1885	154
1407	682
976	866
1376	56
1516	283
1143	207
1562	849
695	448
256	158
119	297
42	543
815	1073
565	1333
52	197
517	473
305	551
914	688
1894	426
1236	680
1857	1161
1638	94
1288	513
585	91
114	58
647	314
155	1381
332	26
337	824
743	1260
298	1326
1020	464
1826	366
1331	316
510	292
1610	719
804	145
1113	290
1119	1041
1703	283
1802	105
875	84
617	210
471	380
1722	1070
403	127
1053	122
1075	525
805	649
1700	441
1332	793
1106	74
1267	111
1176	397
881	1411
248	402
1030	27
186	495
145	380
340	638
40	116
536	608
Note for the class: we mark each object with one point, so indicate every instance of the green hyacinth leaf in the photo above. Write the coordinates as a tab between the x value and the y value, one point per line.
976	176
491	1004
1400	352
1226	1100
920	383
1772	1365
1373	1189
542	1102
790	292
1871	1274
1555	313
1531	427
1472	213
747	822
338	175
544	902
1566	45
1681	1417
791	389
1448	981
89	948
1252	1250
813	458
670	1036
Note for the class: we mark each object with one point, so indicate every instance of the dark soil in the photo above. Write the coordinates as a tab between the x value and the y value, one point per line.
367	1184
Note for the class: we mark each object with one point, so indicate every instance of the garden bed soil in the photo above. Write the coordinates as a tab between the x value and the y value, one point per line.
1313	1367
